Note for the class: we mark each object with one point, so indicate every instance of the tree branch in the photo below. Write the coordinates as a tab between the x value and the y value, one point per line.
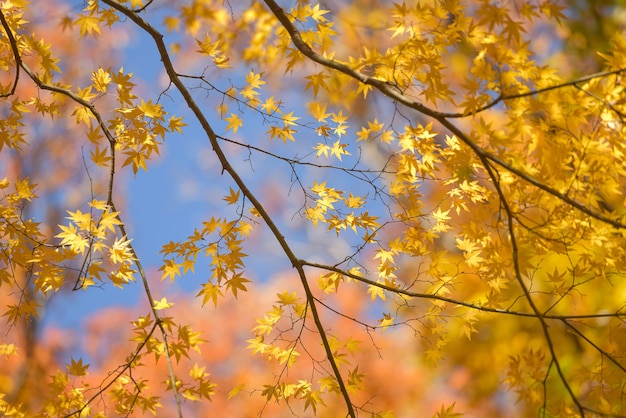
112	142
431	296
16	55
227	167
520	281
121	370
390	91
487	159
505	97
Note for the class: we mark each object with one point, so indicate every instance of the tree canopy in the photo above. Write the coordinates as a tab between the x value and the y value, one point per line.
410	208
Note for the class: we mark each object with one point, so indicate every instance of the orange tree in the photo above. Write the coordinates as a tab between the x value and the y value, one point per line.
446	186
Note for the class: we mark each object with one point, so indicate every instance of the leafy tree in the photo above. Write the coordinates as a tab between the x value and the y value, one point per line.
443	181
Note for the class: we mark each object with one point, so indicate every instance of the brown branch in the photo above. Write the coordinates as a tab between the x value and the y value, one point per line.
92	108
418	295
16	55
520	280
227	167
295	161
155	312
392	91
384	87
483	154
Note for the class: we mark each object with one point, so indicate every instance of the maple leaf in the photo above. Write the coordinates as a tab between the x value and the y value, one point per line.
317	14
210	292
447	412
170	269
254	80
376	292
316	81
338	150
88	24
120	251
77	368
101	80
233	197
172	23
234	122
8	350
81	220
207	46
365	89
312	399
471	251
109	220
340	119
289	119
176	124
162	304
100	156
151	110
386	321
70	236
237	282
322	149
521	206
288	298
270	106
24	189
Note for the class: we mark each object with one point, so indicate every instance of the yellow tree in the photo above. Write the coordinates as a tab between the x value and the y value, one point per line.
457	178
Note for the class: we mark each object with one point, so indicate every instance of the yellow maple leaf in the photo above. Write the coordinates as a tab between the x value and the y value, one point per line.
162	304
376	292
70	236
233	196
100	156
8	350
339	149
210	292
101	80
77	368
89	24
386	321
234	122
170	269
237	282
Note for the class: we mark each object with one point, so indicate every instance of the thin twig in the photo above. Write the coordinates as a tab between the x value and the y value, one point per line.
418	295
121	370
525	290
506	97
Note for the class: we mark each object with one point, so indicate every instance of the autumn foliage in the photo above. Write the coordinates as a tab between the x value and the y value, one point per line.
414	208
